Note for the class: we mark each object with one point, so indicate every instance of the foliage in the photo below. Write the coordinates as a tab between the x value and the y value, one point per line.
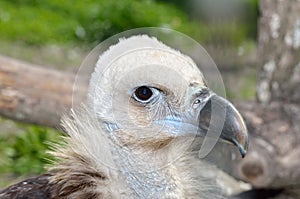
90	21
25	152
39	22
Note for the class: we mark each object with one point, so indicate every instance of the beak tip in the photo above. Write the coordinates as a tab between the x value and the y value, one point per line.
243	151
234	127
242	147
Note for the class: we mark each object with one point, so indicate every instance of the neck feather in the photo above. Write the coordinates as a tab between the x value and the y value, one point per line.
147	173
93	163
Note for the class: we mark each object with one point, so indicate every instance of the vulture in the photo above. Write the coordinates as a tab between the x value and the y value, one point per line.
135	134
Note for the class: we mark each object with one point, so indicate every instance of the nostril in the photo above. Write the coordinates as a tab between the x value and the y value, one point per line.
196	103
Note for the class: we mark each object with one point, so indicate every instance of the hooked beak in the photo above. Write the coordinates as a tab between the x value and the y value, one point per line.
234	129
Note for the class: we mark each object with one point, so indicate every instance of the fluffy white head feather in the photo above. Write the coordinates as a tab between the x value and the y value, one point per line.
138	60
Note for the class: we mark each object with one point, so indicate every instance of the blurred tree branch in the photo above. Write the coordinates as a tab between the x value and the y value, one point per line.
33	94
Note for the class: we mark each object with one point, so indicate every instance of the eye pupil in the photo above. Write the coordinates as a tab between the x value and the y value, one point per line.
143	93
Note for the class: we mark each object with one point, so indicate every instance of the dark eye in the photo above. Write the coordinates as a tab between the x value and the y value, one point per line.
143	93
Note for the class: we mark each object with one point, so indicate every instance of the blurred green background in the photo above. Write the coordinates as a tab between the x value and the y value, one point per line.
59	34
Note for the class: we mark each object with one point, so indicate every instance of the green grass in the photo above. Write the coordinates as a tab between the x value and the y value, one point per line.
40	22
33	24
24	153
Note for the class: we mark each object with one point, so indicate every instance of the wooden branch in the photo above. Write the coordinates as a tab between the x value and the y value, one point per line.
33	94
278	51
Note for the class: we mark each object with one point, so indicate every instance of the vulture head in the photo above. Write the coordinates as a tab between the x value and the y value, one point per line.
132	137
148	95
150	103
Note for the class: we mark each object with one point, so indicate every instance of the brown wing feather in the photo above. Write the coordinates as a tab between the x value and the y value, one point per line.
32	188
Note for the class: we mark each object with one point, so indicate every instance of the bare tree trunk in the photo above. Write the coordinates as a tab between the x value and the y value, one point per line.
33	94
274	123
279	51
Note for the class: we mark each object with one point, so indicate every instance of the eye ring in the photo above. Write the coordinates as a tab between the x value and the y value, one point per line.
143	93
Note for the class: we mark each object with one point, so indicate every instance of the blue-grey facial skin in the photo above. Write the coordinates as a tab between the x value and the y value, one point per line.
197	121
